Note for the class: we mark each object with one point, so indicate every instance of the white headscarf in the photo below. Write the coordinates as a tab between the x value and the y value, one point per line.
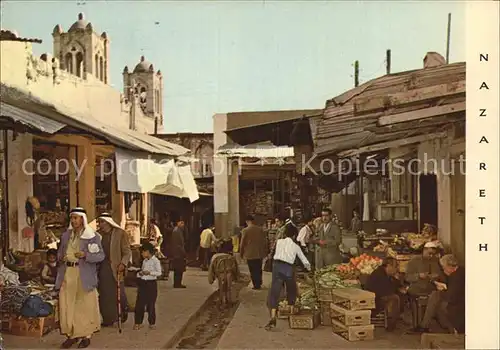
107	217
88	232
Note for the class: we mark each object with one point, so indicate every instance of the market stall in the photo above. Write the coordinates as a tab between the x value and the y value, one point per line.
27	308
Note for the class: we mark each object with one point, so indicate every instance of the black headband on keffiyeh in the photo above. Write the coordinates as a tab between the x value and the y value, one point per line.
78	210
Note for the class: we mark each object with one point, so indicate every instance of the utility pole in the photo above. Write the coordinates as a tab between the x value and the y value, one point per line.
356	73
448	39
388	62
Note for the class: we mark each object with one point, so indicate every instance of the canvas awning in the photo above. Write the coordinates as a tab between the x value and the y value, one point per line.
260	150
144	175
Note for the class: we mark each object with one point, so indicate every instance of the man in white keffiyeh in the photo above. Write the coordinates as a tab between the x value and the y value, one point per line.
79	252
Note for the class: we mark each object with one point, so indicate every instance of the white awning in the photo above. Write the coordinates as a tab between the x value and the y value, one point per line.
144	175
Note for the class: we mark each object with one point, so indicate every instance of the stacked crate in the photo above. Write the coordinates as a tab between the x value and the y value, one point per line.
350	311
325	298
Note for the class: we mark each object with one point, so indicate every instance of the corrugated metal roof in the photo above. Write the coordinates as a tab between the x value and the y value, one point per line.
352	119
264	150
241	120
117	136
29	119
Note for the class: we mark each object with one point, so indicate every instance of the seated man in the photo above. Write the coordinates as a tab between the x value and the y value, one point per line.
447	304
423	270
387	289
224	268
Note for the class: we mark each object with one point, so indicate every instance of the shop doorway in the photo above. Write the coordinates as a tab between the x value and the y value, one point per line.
428	200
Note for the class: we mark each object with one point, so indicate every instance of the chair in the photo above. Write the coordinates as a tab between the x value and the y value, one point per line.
418	306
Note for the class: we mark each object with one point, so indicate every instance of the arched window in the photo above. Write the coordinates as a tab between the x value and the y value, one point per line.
96	71
68	62
101	68
79	64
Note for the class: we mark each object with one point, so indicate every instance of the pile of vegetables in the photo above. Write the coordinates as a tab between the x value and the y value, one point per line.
366	264
346	271
327	277
416	241
307	299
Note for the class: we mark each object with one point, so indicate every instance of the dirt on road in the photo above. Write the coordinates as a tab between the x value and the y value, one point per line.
205	331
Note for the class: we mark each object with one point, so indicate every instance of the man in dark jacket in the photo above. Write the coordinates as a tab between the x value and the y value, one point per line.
447	304
253	248
387	289
178	253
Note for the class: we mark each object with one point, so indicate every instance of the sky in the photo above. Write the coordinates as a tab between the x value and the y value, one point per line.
235	56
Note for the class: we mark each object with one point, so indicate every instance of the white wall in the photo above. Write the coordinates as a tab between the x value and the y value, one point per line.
88	97
221	203
20	187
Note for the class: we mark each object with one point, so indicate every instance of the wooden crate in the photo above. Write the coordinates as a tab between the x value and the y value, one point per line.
325	315
353	298
324	294
35	327
353	333
304	320
283	312
350	317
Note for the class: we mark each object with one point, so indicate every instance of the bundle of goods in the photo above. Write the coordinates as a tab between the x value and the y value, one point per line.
416	241
350	313
385	248
366	264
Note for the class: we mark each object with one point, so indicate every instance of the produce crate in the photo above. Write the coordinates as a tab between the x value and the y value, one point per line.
304	320
325	315
283	312
353	333
353	298
350	317
35	327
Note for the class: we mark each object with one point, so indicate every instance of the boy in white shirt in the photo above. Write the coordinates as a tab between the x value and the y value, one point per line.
286	253
147	288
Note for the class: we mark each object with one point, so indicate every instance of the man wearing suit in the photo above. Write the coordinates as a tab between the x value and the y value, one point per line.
328	240
253	248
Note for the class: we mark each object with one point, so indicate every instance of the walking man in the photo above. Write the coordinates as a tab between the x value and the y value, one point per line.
79	253
178	253
253	248
117	253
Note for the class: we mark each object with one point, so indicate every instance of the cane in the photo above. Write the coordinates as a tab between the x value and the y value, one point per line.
118	298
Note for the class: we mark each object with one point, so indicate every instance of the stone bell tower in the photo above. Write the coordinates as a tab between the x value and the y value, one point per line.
81	51
144	82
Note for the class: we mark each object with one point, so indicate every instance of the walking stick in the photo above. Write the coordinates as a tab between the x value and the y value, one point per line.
118	298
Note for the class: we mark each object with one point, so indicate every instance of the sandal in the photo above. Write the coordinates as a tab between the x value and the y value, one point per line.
271	324
137	327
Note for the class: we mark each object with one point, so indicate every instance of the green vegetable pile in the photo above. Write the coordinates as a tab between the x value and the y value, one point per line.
328	278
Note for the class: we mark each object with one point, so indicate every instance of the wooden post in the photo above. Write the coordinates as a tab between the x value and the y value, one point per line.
388	62
448	39
356	73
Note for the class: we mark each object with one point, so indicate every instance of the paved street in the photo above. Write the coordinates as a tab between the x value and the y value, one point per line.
175	308
246	330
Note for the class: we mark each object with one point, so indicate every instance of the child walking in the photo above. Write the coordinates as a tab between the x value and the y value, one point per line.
147	289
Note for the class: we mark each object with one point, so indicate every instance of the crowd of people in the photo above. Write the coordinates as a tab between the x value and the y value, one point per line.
433	282
88	269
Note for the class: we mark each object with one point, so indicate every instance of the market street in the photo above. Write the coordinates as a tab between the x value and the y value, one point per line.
174	310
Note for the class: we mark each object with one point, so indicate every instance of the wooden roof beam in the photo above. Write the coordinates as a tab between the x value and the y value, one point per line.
393	144
421	113
410	96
